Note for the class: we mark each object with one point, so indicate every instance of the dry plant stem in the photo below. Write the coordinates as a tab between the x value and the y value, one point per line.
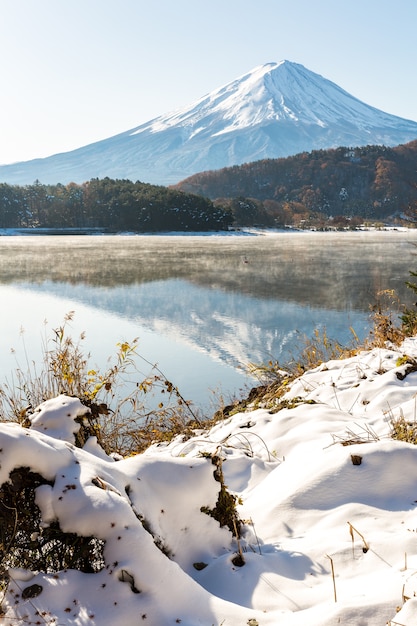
257	540
245	437
175	389
352	529
333	578
351	438
336	398
239	547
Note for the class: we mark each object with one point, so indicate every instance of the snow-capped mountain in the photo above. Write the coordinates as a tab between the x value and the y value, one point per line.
276	110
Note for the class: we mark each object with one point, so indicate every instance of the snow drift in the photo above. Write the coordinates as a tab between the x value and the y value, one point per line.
327	499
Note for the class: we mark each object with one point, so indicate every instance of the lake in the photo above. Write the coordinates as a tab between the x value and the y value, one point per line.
202	306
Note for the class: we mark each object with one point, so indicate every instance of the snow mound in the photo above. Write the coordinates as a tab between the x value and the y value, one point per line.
326	496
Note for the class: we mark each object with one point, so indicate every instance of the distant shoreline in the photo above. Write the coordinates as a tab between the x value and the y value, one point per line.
238	232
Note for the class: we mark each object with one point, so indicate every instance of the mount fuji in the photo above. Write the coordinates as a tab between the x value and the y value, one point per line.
276	110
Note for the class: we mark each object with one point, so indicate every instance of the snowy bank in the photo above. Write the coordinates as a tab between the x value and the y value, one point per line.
327	498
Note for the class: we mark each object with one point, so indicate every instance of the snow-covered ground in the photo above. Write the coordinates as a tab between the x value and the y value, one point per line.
308	511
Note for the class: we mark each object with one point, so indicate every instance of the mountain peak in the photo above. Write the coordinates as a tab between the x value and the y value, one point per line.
280	93
246	101
275	110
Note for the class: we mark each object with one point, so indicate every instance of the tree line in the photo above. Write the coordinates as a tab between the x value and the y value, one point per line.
112	205
371	182
344	186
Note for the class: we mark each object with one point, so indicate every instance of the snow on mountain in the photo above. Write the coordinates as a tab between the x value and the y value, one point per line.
276	110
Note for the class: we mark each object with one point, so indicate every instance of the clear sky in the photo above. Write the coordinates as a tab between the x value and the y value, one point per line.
76	71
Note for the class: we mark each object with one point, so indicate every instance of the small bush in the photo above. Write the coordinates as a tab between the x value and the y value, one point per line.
26	542
404	430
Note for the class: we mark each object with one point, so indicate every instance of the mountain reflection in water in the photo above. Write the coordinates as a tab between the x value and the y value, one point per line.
233	299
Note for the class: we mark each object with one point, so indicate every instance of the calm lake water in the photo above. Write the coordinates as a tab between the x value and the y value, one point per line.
201	306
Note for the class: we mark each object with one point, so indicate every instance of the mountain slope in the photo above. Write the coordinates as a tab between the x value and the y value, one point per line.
276	110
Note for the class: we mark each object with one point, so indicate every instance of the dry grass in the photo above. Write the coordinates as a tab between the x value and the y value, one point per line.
276	378
386	328
128	409
404	430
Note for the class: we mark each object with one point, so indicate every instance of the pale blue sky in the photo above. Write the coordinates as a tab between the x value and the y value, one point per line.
76	71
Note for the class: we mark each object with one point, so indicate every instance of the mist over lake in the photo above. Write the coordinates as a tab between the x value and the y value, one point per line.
201	306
